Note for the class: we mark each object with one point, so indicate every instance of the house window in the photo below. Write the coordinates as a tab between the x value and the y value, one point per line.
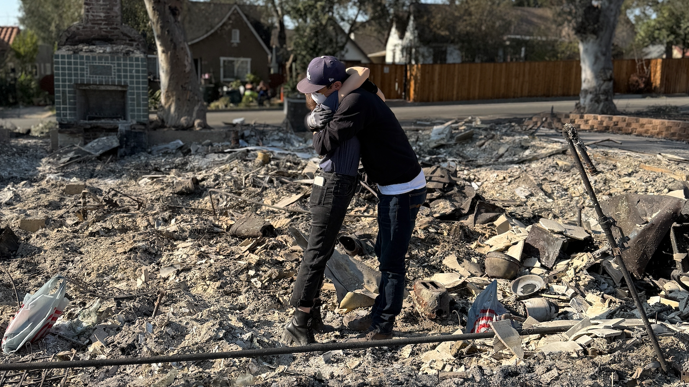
234	68
235	36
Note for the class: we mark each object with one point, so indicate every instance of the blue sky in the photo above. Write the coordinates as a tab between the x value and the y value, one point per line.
9	12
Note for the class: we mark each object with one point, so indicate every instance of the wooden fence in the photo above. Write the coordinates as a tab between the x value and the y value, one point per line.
476	81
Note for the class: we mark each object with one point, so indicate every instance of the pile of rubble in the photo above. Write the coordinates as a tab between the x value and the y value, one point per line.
194	248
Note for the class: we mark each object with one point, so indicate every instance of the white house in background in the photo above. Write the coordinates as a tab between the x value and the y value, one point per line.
413	39
418	35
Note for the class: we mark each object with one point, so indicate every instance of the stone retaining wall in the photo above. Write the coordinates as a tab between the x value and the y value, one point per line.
649	127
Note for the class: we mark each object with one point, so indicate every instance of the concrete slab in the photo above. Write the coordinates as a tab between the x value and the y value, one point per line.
32	224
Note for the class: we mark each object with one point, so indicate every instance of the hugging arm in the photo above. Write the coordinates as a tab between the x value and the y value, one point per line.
346	123
357	77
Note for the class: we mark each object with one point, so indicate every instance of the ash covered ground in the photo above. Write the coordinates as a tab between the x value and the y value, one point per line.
134	236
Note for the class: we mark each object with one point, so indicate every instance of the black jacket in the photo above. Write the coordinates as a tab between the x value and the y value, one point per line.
386	153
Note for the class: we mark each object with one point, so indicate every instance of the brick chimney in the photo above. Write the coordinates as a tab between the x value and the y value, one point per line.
102	24
103	12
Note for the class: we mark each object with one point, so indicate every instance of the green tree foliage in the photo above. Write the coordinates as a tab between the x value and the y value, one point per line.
482	28
134	14
49	18
315	32
664	22
24	50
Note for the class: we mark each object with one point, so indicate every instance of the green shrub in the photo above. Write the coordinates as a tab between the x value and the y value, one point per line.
249	98
153	99
222	103
253	78
27	89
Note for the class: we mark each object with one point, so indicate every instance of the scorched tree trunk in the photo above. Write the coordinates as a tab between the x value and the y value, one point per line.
594	25
182	105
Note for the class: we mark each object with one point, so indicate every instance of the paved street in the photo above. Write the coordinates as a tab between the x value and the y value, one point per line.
406	112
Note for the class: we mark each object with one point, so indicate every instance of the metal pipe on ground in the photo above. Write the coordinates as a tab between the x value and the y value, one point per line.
569	133
268	351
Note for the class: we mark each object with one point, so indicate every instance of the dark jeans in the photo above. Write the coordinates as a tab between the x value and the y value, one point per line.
328	208
396	221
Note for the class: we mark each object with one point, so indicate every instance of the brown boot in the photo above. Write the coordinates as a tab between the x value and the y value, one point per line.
373	335
357	322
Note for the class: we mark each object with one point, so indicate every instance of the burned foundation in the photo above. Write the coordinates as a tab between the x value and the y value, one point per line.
101	85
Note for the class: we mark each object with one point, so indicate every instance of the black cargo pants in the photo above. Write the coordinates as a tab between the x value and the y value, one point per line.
329	204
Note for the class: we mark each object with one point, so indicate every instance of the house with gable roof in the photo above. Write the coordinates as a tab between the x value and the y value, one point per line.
228	41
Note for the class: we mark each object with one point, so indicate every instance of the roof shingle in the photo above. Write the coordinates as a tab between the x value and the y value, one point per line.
7	34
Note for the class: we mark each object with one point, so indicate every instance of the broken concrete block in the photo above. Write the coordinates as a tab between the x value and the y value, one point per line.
560	347
584	341
449	280
464	136
9	243
552	226
585	323
543	245
516	251
502	225
74	188
32	224
508	336
186	187
576	232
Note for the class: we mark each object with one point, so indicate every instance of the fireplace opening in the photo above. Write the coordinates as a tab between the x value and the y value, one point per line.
101	103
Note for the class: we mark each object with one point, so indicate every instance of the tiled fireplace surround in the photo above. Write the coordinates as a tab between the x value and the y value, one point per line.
100	71
93	86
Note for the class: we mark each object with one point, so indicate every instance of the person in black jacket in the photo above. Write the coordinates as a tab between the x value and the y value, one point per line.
389	161
334	186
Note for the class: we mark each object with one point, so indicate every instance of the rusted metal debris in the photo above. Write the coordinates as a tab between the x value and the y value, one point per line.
431	299
642	222
605	222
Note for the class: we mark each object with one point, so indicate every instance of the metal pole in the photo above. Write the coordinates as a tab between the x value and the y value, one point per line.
267	351
604	221
581	148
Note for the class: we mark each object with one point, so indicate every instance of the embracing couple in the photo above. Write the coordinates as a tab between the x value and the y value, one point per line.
350	120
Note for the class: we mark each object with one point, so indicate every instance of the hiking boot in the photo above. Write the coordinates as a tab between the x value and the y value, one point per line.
373	335
376	334
357	322
299	330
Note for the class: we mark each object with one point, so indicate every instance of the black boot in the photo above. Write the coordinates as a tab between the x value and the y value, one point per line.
316	320
299	330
